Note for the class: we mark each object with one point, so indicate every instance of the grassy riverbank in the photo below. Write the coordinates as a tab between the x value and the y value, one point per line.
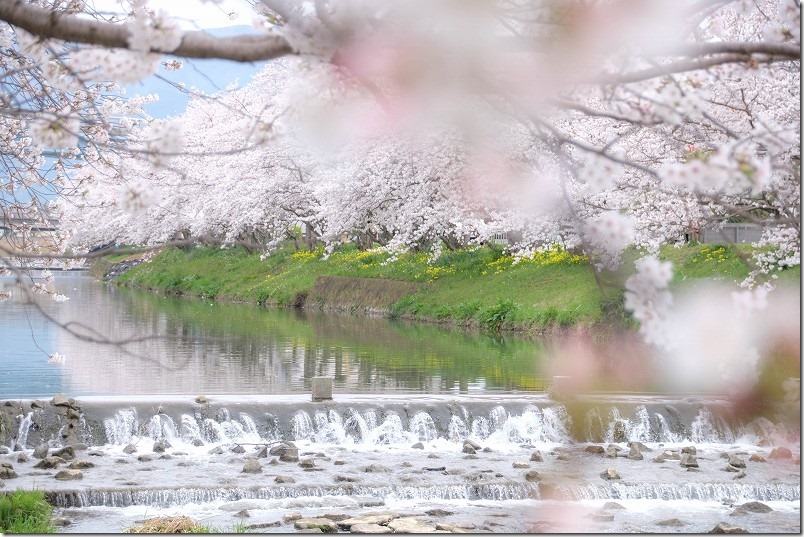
482	287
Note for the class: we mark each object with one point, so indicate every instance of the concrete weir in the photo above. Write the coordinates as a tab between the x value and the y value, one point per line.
466	456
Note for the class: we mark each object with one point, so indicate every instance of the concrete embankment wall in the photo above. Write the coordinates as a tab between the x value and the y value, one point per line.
371	295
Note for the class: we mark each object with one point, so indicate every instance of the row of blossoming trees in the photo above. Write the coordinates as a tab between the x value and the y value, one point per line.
415	124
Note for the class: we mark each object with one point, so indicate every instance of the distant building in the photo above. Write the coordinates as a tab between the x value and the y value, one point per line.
731	233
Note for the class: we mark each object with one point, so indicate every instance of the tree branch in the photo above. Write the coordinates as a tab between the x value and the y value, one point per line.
46	23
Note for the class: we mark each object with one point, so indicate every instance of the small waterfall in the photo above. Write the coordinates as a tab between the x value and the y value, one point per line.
330	429
705	429
183	496
391	431
709	492
212	431
556	423
593	426
302	426
22	431
458	431
161	427
121	428
534	426
619	428
480	428
641	430
190	430
423	427
663	431
356	426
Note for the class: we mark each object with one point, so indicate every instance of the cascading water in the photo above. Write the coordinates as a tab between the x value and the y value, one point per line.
122	427
22	431
364	453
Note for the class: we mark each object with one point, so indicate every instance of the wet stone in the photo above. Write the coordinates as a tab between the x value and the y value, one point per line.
81	465
238	449
18	447
596	450
521	464
433	456
533	476
417	445
22	458
165	457
7	473
323	524
339	462
197	442
261	525
290	454
378	519
96	453
49	462
741	474
688	460
736	461
640	446
723	527
634	454
290	516
261	453
129	449
284	480
346	479
217	450
67	453
730	468
609	474
370	528
611	453
756	507
376	469
671	522
307	463
61	522
467	448
4	450
691	450
69	475
243	513
780	453
41	451
252	466
756	457
411	525
536	456
159	447
145	458
612	505
435	468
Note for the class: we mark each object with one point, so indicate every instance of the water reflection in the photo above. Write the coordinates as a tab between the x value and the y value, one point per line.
215	348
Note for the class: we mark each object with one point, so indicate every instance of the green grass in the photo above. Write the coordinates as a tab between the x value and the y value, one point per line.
25	511
481	287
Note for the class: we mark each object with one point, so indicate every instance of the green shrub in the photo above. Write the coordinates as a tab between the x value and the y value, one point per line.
26	511
494	317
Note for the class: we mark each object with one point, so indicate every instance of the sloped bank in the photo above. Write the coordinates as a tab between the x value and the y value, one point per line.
483	287
477	288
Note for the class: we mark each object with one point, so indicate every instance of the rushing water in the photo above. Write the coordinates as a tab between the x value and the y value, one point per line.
219	348
407	401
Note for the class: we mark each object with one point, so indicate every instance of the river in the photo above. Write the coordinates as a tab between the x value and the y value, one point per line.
448	428
170	345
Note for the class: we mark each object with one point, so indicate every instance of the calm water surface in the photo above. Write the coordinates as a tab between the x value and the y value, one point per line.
164	345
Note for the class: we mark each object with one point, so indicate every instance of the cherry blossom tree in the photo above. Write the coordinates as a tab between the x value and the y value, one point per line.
597	125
